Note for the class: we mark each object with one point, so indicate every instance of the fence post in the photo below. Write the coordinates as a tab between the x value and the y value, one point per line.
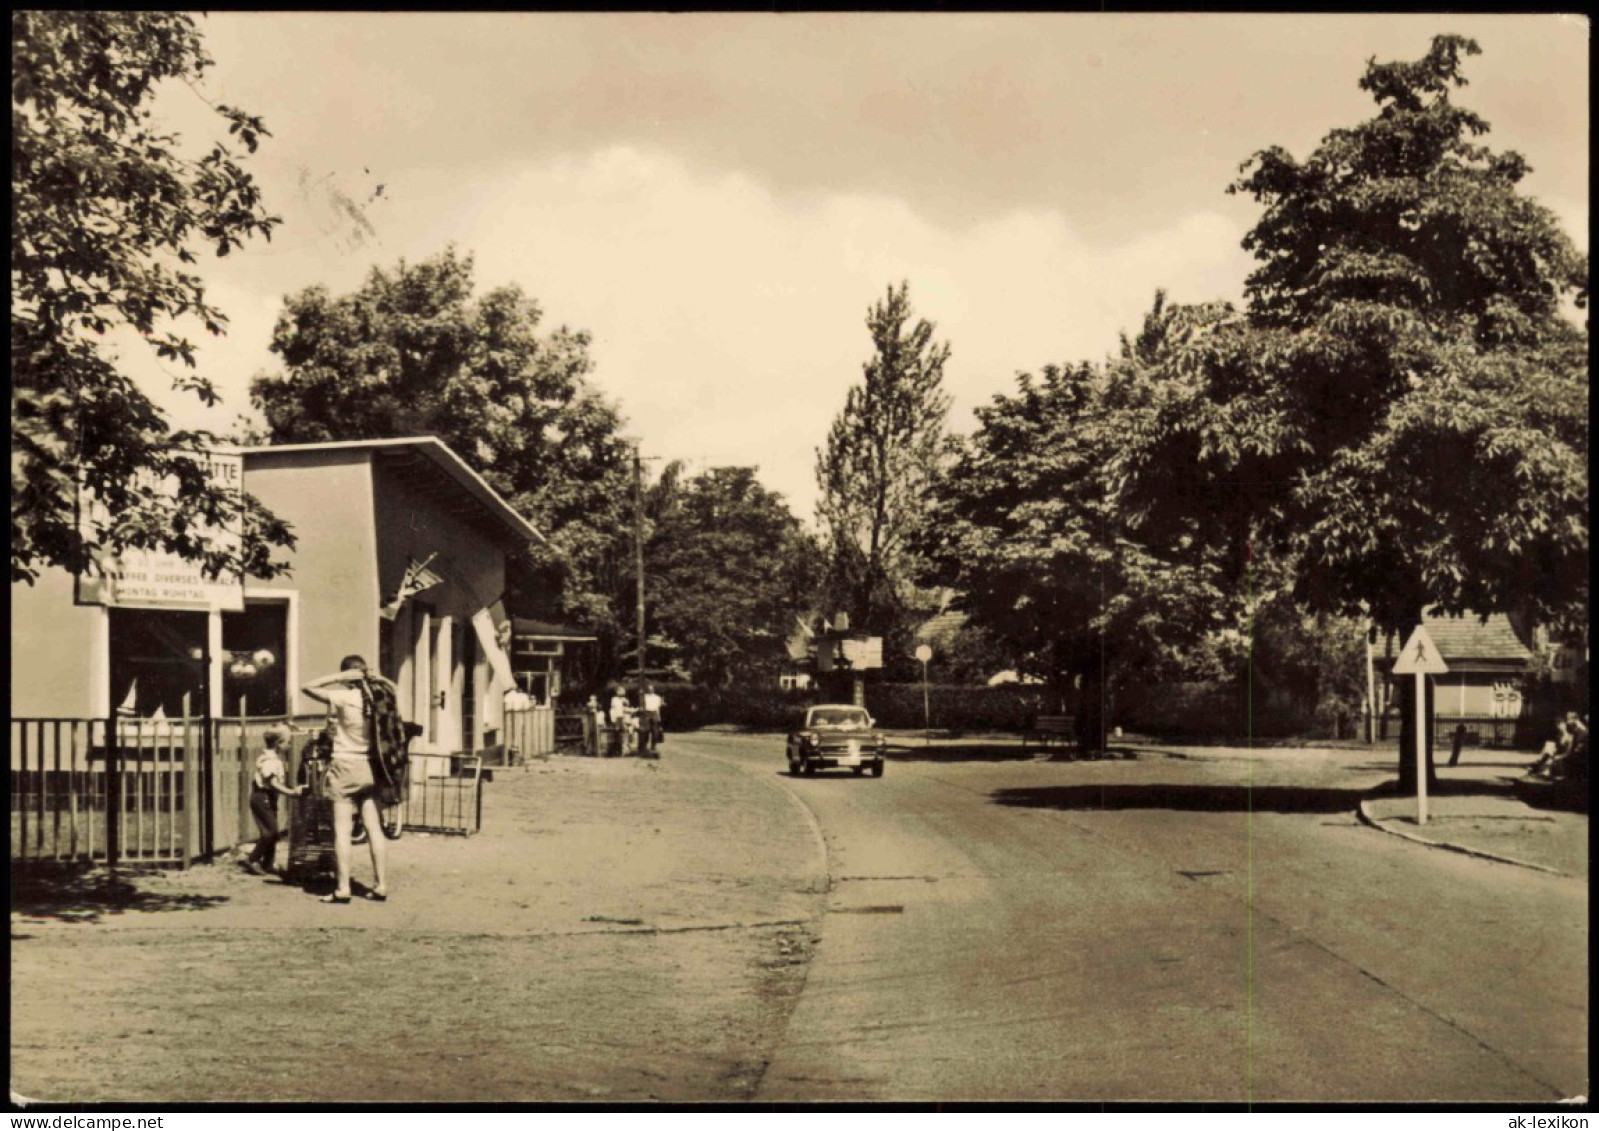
113	796
191	798
242	820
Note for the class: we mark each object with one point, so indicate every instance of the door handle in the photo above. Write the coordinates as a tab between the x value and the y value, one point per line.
438	701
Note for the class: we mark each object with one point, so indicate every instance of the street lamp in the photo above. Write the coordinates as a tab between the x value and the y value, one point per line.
924	653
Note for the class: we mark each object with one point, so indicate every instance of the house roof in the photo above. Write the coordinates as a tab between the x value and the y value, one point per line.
1471	638
407	453
943	625
544	630
1468	643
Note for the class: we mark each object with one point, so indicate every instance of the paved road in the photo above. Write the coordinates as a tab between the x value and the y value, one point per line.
1218	930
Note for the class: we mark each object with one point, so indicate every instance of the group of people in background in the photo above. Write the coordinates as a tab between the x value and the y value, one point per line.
620	727
1565	756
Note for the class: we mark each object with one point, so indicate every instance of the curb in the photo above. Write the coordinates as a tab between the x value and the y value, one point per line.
1367	819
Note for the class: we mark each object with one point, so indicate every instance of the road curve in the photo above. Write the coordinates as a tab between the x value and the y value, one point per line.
1164	931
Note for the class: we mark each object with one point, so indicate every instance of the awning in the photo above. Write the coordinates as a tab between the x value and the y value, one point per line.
544	630
488	639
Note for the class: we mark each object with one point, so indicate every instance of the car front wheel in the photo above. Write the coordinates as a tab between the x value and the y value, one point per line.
877	768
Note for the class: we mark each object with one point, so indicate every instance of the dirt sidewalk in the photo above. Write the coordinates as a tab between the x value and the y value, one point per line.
621	930
1481	807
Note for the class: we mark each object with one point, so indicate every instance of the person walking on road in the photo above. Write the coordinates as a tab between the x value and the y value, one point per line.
350	781
266	785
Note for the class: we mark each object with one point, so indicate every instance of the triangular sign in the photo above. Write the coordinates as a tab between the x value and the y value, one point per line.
1420	656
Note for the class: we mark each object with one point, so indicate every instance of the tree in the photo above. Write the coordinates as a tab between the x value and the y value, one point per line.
414	352
881	458
1405	394
1029	527
729	569
107	215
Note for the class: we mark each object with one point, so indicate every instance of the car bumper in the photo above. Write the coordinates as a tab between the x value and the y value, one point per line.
865	757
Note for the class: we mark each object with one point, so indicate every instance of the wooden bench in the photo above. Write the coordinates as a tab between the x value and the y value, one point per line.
1047	728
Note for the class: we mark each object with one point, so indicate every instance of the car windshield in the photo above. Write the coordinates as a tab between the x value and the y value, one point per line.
838	717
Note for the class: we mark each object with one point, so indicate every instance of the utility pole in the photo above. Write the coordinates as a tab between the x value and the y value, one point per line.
638	556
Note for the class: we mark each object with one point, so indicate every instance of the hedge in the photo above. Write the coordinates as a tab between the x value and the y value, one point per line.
960	707
1172	710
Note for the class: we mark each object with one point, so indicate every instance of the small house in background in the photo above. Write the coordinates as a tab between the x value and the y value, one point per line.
799	662
1484	689
545	657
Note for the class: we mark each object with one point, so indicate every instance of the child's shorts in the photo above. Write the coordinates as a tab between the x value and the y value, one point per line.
350	777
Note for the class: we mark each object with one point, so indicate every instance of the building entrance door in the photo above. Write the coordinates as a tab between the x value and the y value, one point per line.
159	657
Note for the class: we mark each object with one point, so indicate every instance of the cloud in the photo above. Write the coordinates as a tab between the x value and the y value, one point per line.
729	319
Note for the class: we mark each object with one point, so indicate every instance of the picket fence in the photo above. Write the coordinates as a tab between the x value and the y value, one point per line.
172	791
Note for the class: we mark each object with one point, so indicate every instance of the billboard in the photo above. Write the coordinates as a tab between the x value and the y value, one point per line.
149	579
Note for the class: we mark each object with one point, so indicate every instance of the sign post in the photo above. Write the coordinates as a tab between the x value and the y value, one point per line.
1420	658
924	653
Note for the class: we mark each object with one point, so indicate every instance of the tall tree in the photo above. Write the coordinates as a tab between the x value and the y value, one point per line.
414	352
1407	393
881	459
108	212
1029	526
729	568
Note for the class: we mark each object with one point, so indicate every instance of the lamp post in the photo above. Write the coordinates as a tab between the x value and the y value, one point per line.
924	653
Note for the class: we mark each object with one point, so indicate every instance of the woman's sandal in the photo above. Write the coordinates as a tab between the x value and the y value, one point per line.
334	898
376	896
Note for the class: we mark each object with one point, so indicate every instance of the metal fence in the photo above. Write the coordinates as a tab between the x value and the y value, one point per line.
170	791
1480	730
451	803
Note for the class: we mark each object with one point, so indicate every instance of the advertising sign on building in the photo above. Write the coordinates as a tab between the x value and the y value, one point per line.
148	579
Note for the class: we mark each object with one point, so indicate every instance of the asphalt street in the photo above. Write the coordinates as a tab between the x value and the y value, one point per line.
1167	929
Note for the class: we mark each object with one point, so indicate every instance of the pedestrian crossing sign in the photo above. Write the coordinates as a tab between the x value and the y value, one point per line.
1420	656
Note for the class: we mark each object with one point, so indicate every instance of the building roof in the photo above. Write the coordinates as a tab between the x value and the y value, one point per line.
544	630
1470	644
408	452
1471	638
943	625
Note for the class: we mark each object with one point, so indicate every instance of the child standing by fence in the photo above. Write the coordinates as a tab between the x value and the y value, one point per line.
266	784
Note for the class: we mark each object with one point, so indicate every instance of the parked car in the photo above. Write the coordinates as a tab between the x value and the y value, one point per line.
836	735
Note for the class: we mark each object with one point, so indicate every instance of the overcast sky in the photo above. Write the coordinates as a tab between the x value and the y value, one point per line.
718	198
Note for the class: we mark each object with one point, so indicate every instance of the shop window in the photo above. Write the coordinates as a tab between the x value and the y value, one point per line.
255	669
157	658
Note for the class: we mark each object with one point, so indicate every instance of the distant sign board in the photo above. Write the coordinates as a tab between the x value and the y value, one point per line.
849	653
146	579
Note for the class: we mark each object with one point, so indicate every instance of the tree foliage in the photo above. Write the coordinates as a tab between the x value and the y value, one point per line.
881	459
729	570
1029	526
108	214
414	352
1429	393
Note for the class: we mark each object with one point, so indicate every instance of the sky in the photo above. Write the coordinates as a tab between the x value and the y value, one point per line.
719	198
